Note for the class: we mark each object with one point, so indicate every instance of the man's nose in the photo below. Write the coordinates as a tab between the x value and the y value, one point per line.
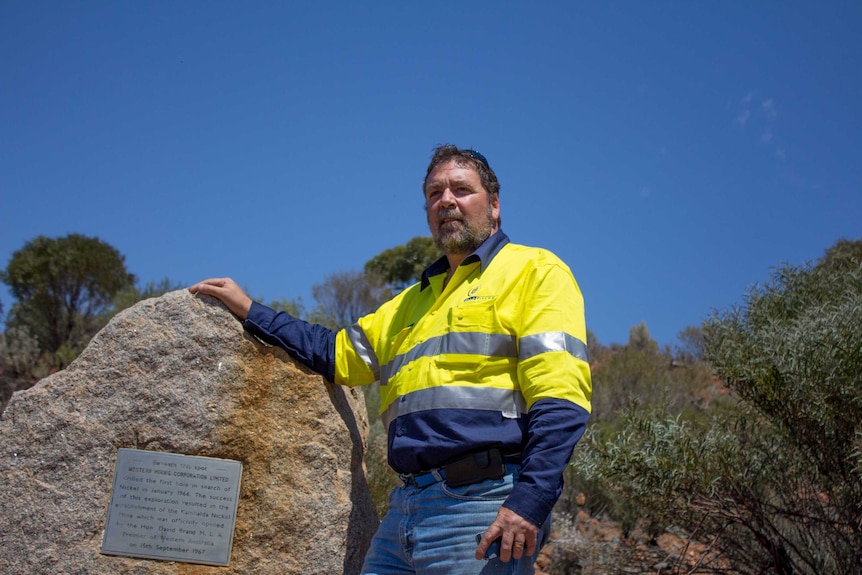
447	198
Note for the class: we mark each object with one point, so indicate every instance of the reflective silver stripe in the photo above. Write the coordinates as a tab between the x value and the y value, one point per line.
424	349
552	341
508	401
477	343
470	343
363	348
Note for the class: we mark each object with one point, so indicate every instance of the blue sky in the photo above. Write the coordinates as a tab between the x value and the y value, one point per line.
672	153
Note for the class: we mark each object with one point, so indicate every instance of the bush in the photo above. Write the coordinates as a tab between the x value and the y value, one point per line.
775	483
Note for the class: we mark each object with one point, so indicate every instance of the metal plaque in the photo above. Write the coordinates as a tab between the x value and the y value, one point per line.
172	507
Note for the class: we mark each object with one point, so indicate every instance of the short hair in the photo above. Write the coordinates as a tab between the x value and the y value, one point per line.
465	158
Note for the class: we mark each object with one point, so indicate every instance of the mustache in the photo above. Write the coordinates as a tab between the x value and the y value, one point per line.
451	214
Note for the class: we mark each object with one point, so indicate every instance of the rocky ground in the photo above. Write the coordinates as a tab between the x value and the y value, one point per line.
588	545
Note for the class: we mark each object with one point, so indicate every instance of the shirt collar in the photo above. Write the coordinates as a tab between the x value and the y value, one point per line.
483	254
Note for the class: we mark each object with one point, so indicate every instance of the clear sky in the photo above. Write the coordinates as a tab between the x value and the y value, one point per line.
672	153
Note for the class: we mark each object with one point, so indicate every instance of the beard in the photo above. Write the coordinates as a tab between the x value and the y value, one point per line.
459	236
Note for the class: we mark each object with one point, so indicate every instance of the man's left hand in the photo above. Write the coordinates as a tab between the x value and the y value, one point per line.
518	536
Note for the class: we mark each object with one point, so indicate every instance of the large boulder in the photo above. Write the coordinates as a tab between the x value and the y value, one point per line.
178	374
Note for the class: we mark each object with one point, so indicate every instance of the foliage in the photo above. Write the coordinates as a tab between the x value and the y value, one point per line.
636	378
62	285
19	362
795	352
690	348
292	306
345	297
775	484
640	371
718	481
132	294
403	265
67	289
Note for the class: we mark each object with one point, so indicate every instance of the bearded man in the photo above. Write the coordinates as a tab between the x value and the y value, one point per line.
484	381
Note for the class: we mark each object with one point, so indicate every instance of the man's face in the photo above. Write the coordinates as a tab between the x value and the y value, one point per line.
461	215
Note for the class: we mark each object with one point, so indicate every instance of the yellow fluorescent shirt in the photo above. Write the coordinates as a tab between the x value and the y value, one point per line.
497	359
516	325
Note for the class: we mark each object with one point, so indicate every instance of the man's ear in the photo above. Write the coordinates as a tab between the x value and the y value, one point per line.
495	206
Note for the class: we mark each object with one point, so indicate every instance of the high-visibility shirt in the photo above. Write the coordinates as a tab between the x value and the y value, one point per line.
495	359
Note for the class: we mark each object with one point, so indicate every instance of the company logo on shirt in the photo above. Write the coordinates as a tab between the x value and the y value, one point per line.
471	295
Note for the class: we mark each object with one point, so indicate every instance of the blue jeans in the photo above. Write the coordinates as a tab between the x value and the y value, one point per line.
432	531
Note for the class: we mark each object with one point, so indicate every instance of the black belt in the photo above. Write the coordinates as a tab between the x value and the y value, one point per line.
472	468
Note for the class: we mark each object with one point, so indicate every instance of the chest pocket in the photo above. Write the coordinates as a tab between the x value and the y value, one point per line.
473	346
470	329
477	315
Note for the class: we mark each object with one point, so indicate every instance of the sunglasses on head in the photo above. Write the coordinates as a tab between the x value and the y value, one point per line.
477	156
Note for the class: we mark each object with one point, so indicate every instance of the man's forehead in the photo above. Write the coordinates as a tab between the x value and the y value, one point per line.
454	171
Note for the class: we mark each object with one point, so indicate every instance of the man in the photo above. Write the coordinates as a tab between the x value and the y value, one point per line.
485	385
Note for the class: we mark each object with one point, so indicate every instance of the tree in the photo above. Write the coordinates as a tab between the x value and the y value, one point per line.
19	355
691	344
776	484
641	340
130	295
62	285
636	378
794	352
403	265
292	306
641	372
345	297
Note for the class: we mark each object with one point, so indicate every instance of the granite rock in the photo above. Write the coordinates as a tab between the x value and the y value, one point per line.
178	374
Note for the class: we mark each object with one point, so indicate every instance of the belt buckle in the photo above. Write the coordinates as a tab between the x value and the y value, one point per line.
422	480
406	479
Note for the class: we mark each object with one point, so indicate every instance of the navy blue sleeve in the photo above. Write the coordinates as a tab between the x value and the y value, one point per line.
554	427
309	343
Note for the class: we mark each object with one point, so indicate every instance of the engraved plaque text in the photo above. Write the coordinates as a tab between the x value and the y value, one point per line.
172	507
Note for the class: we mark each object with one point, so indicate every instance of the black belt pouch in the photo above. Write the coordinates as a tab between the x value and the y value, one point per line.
475	468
